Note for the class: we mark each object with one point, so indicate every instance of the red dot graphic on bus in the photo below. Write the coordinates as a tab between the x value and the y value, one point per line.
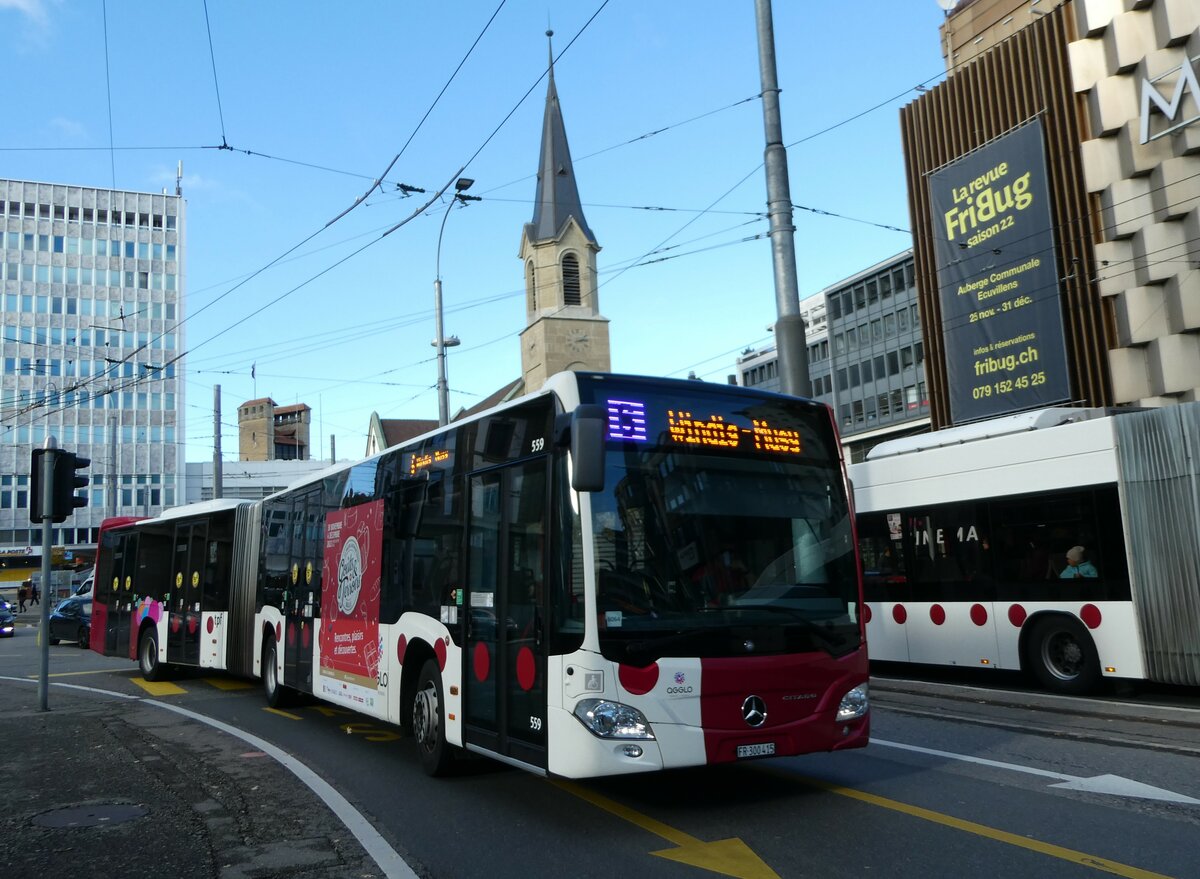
174	623
899	614
209	626
638	681
867	612
193	625
305	636
1090	614
291	634
1017	615
401	646
937	613
439	650
526	669
482	662
979	614
279	631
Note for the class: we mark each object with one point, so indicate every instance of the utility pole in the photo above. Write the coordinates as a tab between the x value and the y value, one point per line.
789	328
218	478
333	448
114	483
47	488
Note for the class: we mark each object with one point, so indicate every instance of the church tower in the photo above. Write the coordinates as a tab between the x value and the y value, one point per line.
563	325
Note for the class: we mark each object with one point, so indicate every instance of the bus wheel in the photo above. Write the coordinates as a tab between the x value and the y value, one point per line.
1064	656
151	668
276	693
85	635
429	721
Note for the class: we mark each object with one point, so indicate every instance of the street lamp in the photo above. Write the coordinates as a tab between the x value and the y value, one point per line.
440	342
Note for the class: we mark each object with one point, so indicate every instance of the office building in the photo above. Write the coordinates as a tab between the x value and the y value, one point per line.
92	287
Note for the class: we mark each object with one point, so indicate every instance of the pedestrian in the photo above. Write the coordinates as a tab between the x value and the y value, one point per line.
34	599
22	597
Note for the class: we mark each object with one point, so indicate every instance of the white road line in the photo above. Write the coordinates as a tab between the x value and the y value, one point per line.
1114	785
386	857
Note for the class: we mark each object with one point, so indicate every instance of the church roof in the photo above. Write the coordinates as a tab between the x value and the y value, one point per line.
557	197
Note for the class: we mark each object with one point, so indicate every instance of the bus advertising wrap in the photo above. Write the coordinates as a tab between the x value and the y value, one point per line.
350	573
998	279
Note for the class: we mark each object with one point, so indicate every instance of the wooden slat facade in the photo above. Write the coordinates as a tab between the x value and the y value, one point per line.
1026	75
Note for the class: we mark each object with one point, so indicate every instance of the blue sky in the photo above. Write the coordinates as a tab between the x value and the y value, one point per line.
660	102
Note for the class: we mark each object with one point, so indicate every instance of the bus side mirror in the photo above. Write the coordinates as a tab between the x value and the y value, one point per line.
588	423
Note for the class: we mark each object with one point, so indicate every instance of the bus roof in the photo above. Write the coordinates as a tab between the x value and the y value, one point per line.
1038	419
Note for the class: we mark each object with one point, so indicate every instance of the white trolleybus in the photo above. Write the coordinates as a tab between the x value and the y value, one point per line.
611	575
1065	542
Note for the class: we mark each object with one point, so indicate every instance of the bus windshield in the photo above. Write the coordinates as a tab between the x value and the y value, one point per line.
716	550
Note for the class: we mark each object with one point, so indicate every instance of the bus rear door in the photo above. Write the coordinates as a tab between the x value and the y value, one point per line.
183	622
504	678
116	591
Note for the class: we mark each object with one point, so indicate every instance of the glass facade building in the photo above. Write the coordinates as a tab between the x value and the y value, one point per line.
865	355
91	307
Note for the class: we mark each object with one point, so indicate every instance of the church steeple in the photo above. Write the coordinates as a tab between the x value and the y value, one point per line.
564	328
557	197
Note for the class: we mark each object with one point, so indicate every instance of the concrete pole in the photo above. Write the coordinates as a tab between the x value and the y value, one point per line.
218	478
114	482
789	329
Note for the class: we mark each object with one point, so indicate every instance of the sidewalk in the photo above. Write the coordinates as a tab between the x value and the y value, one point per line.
104	787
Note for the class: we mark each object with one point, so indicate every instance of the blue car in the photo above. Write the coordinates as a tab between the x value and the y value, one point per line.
8	623
72	621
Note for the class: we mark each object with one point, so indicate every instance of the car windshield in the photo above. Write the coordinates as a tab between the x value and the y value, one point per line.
721	554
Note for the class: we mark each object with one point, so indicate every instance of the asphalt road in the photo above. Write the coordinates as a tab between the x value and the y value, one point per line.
960	780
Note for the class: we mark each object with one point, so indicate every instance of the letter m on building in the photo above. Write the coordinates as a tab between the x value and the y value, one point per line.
1170	108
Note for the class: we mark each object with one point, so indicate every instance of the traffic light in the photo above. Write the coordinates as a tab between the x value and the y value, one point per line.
63	483
66	481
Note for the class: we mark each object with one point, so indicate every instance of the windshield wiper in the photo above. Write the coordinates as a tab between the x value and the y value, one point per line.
832	639
648	645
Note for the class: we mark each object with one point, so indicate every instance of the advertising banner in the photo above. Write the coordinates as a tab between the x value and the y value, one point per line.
350	578
997	278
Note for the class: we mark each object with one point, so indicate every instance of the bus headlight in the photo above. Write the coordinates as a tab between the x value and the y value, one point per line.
612	720
854	704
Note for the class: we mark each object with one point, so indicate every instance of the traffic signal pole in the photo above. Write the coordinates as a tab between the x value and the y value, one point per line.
46	462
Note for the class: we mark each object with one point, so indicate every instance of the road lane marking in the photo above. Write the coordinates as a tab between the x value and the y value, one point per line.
159	688
228	683
1034	845
729	857
286	714
1114	785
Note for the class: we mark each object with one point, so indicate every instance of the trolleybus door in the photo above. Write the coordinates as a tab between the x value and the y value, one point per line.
504	678
187	570
303	596
119	593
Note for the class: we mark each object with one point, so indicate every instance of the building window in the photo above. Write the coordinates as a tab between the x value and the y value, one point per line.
531	285
570	280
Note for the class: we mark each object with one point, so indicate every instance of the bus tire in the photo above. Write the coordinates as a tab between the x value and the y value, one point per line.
151	668
429	721
1063	656
277	694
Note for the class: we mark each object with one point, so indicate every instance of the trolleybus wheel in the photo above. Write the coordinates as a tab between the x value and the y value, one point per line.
151	668
1064	656
429	721
277	694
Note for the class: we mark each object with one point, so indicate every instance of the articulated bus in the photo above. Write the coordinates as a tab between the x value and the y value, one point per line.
1063	542
611	575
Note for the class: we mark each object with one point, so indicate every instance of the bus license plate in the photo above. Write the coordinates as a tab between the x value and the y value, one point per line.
764	749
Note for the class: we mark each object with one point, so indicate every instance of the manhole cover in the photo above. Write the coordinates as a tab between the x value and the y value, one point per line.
90	816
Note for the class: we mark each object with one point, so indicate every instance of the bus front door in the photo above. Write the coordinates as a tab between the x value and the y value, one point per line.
183	607
119	595
504	678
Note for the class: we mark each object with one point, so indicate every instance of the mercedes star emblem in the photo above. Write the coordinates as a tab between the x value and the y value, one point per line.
754	710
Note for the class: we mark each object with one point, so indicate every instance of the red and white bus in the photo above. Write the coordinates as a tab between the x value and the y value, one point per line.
1064	542
611	575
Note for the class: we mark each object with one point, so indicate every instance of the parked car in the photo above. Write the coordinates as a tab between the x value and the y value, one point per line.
10	606
8	623
84	588
72	621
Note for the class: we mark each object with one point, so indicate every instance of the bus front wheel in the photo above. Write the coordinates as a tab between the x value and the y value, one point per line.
151	668
429	721
1064	656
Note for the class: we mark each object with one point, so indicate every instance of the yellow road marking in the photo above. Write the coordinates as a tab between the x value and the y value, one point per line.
286	714
228	683
158	688
67	674
729	857
1045	848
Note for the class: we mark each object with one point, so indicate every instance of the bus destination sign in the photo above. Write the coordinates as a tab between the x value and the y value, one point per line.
627	421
